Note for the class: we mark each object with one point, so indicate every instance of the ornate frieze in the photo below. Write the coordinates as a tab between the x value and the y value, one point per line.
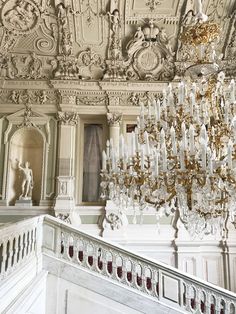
92	100
67	118
26	96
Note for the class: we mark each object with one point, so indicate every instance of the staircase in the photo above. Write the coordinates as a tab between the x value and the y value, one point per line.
36	252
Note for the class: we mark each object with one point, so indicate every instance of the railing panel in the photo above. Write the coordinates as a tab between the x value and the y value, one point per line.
157	280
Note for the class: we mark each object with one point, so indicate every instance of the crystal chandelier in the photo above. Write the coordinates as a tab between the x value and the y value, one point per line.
183	152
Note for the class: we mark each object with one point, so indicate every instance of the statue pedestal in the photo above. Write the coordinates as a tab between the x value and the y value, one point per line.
24	203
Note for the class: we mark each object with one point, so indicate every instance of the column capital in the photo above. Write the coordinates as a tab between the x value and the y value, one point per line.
114	118
67	118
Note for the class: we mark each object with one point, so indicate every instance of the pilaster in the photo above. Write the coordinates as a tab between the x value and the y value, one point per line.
65	199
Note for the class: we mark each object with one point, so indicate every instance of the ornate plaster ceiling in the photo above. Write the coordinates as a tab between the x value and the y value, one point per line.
41	39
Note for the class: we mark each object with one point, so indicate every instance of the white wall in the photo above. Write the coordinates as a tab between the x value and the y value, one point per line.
66	297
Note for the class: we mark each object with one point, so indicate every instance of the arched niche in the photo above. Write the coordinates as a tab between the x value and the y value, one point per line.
26	144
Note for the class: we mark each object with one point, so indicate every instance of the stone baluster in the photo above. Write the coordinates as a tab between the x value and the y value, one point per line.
4	258
218	304
208	303
21	247
198	300
124	270
95	258
30	241
65	198
188	297
154	278
10	255
114	266
134	274
75	257
105	263
16	250
85	254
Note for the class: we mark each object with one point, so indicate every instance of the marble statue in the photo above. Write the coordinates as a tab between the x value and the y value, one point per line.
27	183
115	21
136	42
163	38
199	15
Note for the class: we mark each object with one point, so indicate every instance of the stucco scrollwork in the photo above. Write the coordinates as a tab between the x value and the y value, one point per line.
20	16
67	118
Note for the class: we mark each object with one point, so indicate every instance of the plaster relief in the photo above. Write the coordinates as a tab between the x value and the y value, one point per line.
20	16
150	54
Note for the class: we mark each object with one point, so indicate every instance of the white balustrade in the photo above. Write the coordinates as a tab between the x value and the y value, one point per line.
18	243
154	279
22	241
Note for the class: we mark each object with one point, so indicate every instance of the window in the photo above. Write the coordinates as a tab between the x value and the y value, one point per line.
92	162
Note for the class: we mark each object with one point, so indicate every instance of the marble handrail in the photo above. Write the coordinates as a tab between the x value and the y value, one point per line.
155	279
